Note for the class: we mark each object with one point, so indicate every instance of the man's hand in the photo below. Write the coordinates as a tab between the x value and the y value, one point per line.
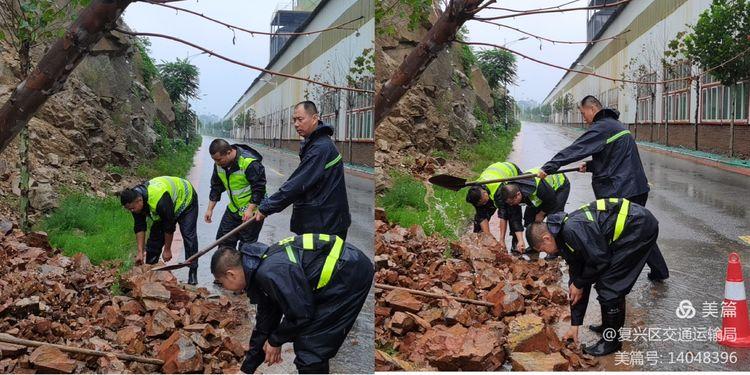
574	294
582	168
207	216
503	248
273	354
541	175
572	334
521	247
166	255
139	258
248	213
259	216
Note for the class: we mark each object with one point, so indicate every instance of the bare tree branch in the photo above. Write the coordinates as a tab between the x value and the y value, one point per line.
437	38
252	32
54	68
553	40
613	79
271	72
533	10
542	11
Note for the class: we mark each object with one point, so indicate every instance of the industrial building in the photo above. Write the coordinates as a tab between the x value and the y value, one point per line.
263	114
683	113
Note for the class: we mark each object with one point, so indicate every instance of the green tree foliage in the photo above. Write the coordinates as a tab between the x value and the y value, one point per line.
721	33
498	66
180	79
417	12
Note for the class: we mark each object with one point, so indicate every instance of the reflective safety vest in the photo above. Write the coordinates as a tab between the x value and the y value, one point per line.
179	189
554	180
307	243
496	171
238	187
606	204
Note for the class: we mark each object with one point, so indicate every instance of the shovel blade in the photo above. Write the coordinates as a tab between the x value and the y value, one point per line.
449	182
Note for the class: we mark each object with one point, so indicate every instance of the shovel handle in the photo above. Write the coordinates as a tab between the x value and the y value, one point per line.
519	177
219	240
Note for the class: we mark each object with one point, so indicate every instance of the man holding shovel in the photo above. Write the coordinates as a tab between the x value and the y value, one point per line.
168	201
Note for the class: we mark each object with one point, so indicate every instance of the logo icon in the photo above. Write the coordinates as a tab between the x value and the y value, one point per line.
685	310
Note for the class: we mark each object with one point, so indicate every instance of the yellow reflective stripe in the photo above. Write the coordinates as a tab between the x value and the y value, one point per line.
588	214
307	241
333	162
324	237
290	254
286	240
330	263
616	136
621	216
614	200
507	169
601	205
571	249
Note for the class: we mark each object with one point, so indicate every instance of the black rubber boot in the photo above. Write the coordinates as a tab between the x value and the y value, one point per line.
614	318
598	328
193	276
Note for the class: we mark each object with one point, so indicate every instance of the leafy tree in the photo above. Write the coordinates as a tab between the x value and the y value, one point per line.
498	66
180	79
417	12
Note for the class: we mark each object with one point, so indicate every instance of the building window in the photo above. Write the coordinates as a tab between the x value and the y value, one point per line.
360	111
676	95
646	93
716	100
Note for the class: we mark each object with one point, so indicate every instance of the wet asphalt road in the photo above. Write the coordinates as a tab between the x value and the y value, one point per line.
279	165
702	212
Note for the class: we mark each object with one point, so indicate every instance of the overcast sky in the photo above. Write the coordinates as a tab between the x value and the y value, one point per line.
221	83
535	80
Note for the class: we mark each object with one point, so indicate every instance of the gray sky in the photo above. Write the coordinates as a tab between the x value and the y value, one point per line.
535	80
221	82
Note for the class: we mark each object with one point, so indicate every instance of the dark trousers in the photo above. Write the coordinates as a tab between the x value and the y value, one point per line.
655	260
232	220
315	368
188	221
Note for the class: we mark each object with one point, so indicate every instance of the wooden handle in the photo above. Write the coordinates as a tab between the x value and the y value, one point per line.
519	177
72	349
220	240
434	295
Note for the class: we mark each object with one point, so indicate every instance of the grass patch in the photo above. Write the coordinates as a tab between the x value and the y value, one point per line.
444	211
100	227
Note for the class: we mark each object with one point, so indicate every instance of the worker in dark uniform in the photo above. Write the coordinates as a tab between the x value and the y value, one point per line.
316	189
605	244
238	171
486	200
541	197
616	165
316	282
168	201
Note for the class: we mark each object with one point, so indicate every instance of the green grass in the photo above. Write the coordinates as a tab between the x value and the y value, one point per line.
100	227
444	211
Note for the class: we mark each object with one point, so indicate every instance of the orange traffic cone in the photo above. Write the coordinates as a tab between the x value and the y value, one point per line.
735	328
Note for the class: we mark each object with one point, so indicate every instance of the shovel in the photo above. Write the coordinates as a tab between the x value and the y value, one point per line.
190	260
457	183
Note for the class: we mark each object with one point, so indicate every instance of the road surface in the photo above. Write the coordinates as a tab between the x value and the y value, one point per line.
702	212
279	165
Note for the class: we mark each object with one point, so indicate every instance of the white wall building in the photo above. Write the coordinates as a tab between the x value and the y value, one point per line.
327	57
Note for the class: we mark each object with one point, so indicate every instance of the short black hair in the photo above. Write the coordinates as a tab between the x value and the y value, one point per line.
534	233
128	196
474	195
309	107
219	145
224	259
591	100
508	191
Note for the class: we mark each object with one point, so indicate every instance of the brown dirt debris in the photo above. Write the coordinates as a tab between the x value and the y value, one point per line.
420	333
48	297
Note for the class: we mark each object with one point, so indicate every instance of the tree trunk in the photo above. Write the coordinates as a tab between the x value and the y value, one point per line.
440	35
697	112
653	114
54	68
731	124
635	123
